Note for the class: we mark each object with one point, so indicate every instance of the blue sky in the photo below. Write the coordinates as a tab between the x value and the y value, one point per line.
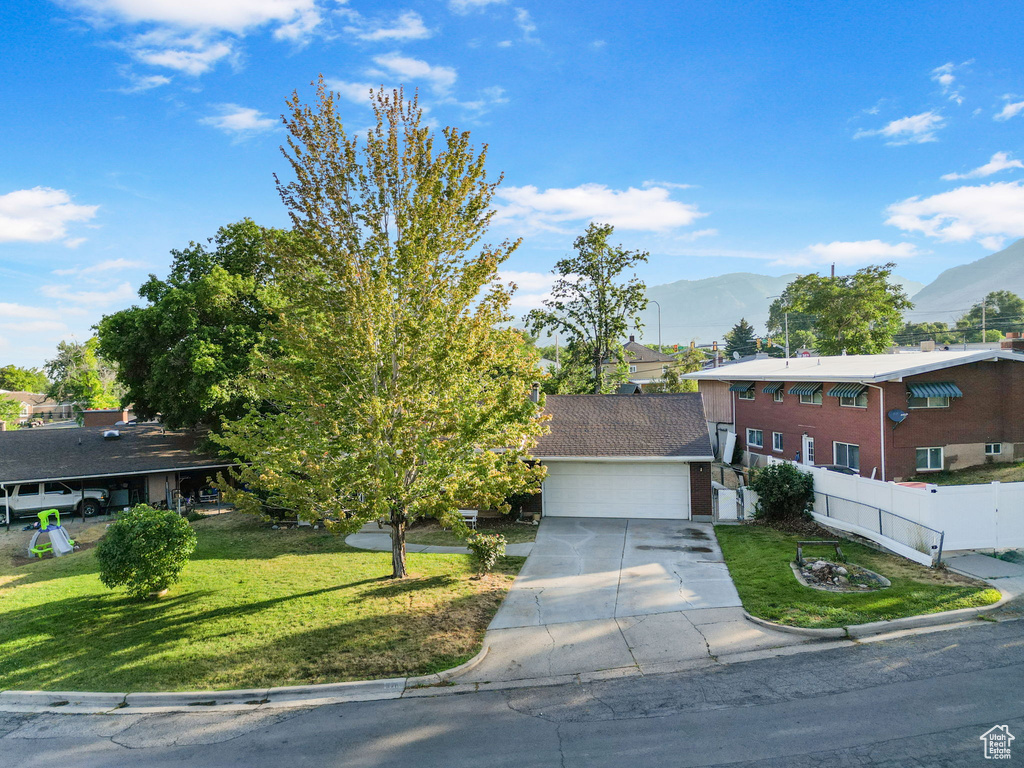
721	137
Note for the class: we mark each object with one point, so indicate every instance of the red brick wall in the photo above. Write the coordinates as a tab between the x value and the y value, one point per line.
989	411
700	488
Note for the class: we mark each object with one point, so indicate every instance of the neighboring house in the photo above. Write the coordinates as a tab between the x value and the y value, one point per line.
142	464
107	417
645	364
633	456
884	416
38	406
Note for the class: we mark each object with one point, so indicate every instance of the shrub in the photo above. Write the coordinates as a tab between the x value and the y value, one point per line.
783	491
145	550
486	548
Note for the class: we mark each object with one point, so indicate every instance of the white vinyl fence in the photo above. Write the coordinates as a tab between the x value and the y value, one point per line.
920	523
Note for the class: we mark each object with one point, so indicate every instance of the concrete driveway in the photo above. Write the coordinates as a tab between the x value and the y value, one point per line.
602	594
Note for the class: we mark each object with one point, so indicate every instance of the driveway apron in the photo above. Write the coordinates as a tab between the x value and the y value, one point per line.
603	594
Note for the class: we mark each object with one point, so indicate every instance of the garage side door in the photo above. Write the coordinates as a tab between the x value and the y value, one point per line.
614	489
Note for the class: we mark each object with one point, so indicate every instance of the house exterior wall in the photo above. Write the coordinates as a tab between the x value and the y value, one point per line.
989	412
700	488
105	417
717	400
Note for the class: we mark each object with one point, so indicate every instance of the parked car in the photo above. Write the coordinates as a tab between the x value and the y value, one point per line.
842	469
29	499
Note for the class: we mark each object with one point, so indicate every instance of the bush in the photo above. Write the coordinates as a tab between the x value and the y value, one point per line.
145	550
783	491
486	548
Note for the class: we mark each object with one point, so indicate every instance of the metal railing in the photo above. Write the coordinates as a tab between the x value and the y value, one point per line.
925	540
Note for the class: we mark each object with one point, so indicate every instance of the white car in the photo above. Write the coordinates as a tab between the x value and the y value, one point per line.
29	499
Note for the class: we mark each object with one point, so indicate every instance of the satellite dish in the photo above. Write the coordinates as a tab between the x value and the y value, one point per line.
897	416
735	355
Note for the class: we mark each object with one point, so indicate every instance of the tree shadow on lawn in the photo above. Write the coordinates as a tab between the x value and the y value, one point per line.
107	642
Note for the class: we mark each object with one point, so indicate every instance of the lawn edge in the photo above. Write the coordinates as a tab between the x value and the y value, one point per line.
889	625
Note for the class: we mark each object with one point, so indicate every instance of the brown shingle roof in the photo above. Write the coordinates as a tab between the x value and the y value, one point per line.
625	425
45	454
35	399
638	353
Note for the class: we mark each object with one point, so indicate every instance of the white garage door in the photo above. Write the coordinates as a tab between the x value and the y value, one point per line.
617	489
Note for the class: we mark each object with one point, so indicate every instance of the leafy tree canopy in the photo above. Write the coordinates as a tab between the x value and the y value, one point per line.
858	313
15	379
185	355
1003	311
393	391
591	307
80	375
10	411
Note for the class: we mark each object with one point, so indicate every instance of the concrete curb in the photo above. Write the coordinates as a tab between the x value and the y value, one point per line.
951	618
440	678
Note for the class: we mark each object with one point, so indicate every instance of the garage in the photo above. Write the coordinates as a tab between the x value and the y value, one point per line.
617	489
633	456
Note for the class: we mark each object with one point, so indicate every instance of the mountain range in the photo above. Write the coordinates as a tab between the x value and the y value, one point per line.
706	309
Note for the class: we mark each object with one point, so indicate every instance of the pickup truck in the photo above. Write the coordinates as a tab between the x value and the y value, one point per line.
29	499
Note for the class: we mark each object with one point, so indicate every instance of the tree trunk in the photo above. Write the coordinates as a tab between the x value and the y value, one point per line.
398	519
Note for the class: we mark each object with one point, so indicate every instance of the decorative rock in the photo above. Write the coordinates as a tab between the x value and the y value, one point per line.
841	571
817	566
275	527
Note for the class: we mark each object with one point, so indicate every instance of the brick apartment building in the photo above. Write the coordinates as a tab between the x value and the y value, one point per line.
884	416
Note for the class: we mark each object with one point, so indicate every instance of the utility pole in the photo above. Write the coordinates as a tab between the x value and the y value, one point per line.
556	350
787	335
984	302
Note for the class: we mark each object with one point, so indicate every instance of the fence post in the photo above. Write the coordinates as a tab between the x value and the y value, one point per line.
826	506
937	558
880	521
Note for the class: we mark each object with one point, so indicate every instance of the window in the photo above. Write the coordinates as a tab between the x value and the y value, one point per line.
777	397
29	489
56	488
632	369
860	401
746	394
847	455
993	449
814	399
776	441
928	402
929	459
755	438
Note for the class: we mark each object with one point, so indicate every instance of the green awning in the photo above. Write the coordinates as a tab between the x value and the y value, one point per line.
771	389
741	386
807	388
846	390
935	389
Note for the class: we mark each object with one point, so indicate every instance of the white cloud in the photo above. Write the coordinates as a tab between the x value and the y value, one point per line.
987	213
358	93
229	15
916	129
1010	109
666	184
527	281
526	25
1000	162
408	26
35	326
141	84
22	312
239	121
191	54
119	294
689	237
465	6
636	209
504	43
440	79
103	266
39	215
947	80
847	253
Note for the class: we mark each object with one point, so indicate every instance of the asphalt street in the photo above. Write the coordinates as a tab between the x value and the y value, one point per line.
921	700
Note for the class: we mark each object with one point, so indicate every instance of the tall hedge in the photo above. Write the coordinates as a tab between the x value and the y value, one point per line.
783	492
145	550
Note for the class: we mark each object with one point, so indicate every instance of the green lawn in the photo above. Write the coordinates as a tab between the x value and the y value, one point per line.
982	473
431	533
758	558
256	607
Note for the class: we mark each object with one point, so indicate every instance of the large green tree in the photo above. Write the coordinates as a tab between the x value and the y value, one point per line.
858	313
81	376
10	412
914	333
998	312
186	354
15	379
741	339
592	308
394	391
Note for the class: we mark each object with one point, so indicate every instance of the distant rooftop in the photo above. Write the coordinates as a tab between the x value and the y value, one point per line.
849	367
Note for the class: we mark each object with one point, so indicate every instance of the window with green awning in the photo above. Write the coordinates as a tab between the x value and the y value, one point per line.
846	390
805	388
934	389
741	386
771	389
